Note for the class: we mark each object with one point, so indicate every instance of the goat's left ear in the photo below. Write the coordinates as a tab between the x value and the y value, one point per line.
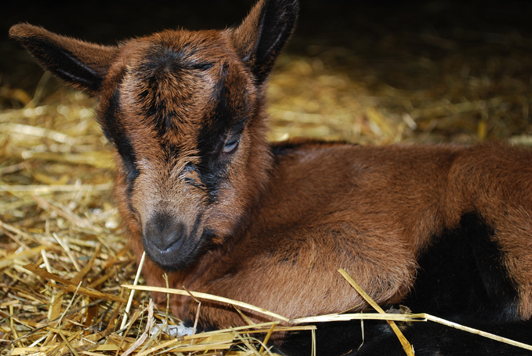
81	64
263	34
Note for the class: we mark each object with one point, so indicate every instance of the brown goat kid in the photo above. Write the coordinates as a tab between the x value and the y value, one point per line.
444	229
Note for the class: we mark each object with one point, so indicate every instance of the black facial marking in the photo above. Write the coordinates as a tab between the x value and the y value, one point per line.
193	182
201	185
115	132
195	227
227	118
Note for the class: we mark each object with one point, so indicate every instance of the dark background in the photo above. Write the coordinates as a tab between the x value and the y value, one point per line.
365	28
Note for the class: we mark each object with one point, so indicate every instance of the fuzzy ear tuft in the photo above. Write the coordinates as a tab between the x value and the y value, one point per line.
81	64
263	34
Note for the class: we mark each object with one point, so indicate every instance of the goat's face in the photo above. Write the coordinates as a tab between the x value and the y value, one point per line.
181	118
184	112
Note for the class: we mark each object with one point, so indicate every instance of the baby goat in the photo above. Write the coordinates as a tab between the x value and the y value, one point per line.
443	229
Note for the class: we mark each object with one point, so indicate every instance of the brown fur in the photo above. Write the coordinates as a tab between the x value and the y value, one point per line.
275	228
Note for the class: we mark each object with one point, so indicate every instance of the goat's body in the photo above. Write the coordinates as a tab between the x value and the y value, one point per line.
374	211
444	229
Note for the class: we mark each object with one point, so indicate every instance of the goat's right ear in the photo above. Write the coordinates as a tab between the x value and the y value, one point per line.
81	64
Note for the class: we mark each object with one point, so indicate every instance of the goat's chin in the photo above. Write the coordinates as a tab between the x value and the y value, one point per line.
176	258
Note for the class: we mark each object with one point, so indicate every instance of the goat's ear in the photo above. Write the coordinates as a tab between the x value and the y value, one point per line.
81	64
263	34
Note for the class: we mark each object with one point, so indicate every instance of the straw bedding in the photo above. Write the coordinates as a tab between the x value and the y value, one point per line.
63	254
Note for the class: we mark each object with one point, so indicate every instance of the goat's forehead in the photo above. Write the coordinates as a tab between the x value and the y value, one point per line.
174	67
172	71
182	48
175	87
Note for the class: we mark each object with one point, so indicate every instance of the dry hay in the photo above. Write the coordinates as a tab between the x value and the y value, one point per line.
350	105
63	255
58	219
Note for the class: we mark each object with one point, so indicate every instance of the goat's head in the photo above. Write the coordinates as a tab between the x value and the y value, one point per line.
184	112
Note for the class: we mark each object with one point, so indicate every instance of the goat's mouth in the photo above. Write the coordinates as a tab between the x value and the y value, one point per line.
176	257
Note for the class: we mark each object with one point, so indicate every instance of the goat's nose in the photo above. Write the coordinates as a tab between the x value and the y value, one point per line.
164	231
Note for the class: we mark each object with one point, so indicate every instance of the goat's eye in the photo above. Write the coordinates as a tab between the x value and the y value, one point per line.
231	144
